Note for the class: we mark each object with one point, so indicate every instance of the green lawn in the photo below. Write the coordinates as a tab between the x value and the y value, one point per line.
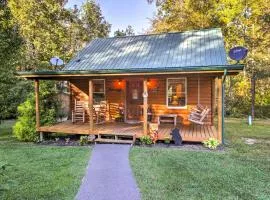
241	172
40	172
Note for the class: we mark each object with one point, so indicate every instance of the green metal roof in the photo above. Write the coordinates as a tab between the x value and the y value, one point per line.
198	48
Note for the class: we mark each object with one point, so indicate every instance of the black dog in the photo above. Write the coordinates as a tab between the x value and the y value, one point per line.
176	137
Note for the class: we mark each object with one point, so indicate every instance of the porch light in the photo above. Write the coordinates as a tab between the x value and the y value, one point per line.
119	82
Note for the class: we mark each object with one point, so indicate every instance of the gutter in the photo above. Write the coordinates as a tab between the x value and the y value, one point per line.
132	71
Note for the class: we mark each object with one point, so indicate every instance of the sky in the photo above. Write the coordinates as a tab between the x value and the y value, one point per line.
121	13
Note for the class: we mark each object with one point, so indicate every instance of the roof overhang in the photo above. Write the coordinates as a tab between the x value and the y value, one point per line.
231	69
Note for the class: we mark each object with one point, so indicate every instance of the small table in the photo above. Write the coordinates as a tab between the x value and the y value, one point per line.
173	116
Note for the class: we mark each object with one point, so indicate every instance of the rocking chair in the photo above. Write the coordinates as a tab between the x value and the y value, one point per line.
78	114
198	115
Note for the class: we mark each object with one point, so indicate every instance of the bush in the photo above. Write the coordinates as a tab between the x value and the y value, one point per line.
146	140
211	143
83	140
25	129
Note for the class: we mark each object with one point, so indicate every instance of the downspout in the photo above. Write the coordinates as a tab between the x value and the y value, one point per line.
222	101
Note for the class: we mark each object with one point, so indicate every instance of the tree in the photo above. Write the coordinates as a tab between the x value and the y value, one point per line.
41	25
93	22
48	29
128	32
252	32
119	33
12	90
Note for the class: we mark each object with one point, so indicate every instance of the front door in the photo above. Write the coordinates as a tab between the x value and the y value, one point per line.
134	100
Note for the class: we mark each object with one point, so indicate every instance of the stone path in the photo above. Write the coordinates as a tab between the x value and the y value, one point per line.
109	176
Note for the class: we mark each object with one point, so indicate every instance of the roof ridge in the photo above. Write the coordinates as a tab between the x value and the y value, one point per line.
163	33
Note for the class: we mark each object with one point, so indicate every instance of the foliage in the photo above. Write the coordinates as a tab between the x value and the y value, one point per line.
12	90
146	140
83	140
93	22
31	32
65	31
24	128
238	28
211	143
128	32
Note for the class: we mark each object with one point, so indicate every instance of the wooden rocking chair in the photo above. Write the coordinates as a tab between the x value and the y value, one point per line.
101	115
114	111
198	115
78	114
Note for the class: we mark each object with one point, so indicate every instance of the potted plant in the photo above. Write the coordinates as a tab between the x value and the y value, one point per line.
167	139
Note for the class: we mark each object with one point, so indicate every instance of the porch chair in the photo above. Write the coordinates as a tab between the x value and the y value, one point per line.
78	113
114	111
198	116
102	113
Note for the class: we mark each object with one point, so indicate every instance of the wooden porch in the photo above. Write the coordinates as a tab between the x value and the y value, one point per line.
189	133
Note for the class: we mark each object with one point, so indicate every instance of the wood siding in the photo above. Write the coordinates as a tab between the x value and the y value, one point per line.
115	93
157	98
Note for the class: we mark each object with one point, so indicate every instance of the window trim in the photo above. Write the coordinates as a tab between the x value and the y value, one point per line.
104	80
167	84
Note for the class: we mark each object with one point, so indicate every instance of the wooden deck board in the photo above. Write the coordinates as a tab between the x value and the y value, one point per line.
192	133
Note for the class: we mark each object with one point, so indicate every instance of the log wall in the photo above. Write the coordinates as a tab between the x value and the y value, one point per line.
199	90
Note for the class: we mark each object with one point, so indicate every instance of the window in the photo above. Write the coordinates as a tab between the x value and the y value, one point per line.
176	92
98	90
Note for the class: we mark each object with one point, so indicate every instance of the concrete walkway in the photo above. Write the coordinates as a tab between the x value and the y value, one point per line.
109	176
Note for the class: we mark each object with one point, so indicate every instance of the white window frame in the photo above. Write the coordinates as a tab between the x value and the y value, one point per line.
104	80
167	84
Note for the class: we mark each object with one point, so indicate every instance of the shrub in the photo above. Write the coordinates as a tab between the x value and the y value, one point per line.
24	129
211	143
146	140
83	140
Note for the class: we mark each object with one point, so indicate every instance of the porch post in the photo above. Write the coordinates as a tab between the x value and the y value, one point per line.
37	104
145	106
37	109
219	108
90	106
70	100
213	99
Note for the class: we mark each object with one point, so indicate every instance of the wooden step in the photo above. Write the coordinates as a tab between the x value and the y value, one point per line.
105	140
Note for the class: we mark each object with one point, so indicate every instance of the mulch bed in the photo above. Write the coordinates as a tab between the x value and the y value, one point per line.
75	141
185	146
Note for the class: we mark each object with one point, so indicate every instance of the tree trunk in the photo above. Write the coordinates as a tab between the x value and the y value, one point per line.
253	92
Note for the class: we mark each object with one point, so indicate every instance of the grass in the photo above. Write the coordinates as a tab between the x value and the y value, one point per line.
241	172
39	172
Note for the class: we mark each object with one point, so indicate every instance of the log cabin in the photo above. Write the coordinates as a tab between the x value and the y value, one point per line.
145	79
